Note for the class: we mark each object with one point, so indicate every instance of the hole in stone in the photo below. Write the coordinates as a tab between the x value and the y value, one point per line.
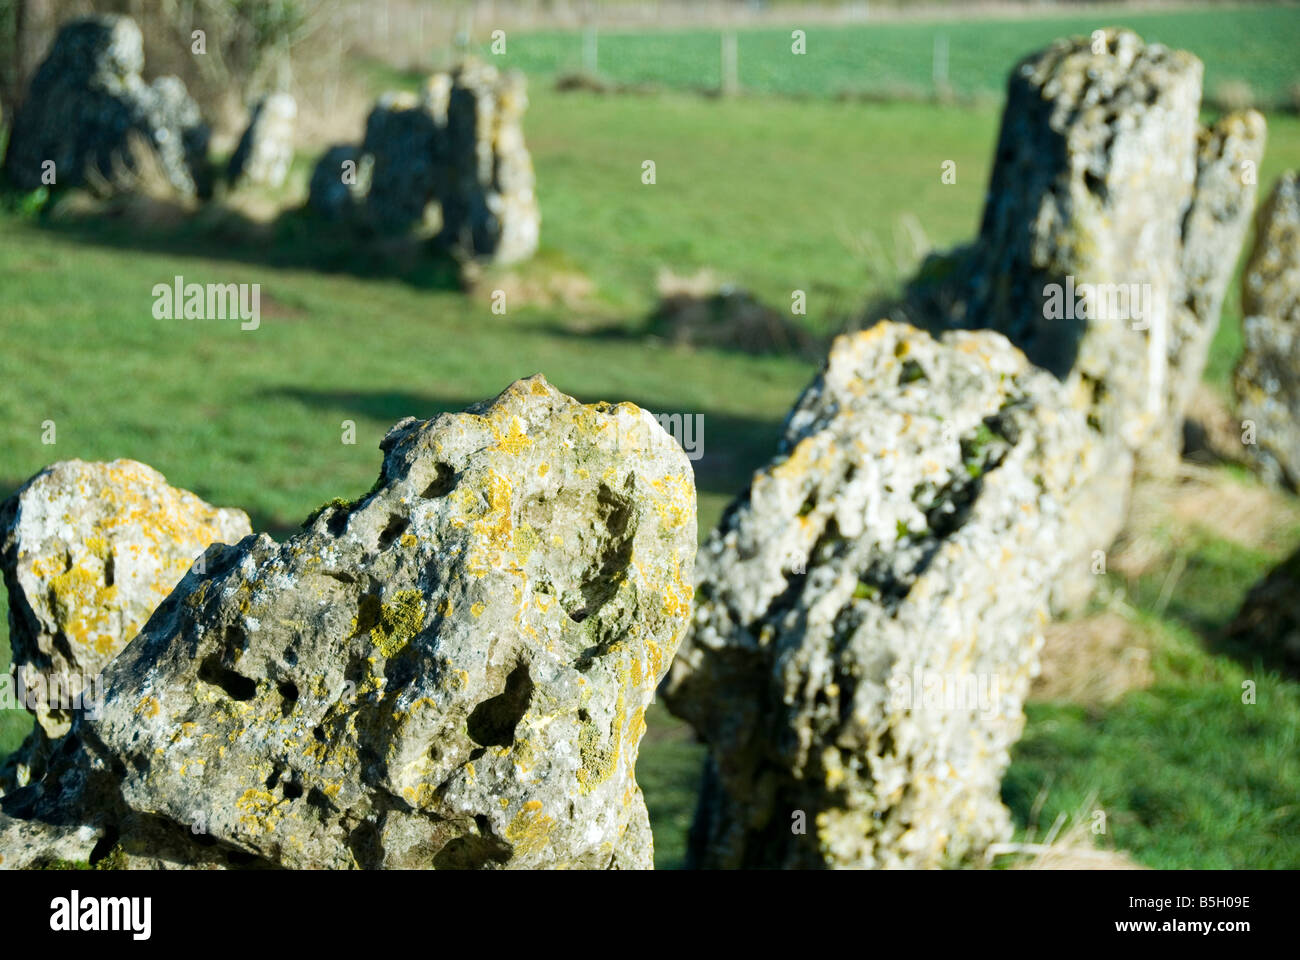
471	853
443	481
607	571
318	733
288	695
236	686
103	846
292	790
911	372
492	724
338	521
396	527
110	570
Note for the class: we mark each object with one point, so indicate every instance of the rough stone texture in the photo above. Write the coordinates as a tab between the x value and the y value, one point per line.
911	522
329	194
88	552
452	160
451	672
1267	626
27	845
489	205
1102	175
88	97
265	151
1214	229
1267	378
402	140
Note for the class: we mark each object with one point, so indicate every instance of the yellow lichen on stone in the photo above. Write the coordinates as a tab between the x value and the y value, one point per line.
259	811
397	622
530	830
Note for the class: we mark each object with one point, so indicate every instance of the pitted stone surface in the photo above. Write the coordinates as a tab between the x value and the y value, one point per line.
1105	191
1267	378
909	529
89	551
451	672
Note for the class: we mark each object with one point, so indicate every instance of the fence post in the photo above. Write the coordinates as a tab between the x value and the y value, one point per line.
589	50
730	58
940	66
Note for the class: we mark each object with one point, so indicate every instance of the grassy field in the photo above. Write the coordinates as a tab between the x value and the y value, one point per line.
773	194
898	57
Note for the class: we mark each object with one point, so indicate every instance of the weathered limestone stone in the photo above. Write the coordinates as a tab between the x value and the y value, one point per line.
450	672
1267	379
88	97
452	160
401	139
88	551
1214	229
339	183
489	205
1268	624
1108	239
265	151
906	536
27	845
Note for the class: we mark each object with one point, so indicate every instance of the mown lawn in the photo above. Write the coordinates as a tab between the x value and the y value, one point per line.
773	194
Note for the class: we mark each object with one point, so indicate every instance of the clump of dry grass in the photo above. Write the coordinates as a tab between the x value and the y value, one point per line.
1092	661
534	286
1169	515
1233	95
136	189
1062	847
696	311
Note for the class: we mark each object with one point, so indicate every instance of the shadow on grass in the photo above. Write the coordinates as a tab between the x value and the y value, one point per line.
295	239
732	447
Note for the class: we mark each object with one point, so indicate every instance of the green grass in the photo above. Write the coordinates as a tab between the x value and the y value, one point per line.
773	194
888	57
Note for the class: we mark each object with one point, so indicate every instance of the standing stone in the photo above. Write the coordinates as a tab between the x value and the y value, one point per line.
401	137
339	183
85	101
489	207
88	551
1267	627
265	151
1267	378
900	548
451	160
1107	242
450	672
1214	230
